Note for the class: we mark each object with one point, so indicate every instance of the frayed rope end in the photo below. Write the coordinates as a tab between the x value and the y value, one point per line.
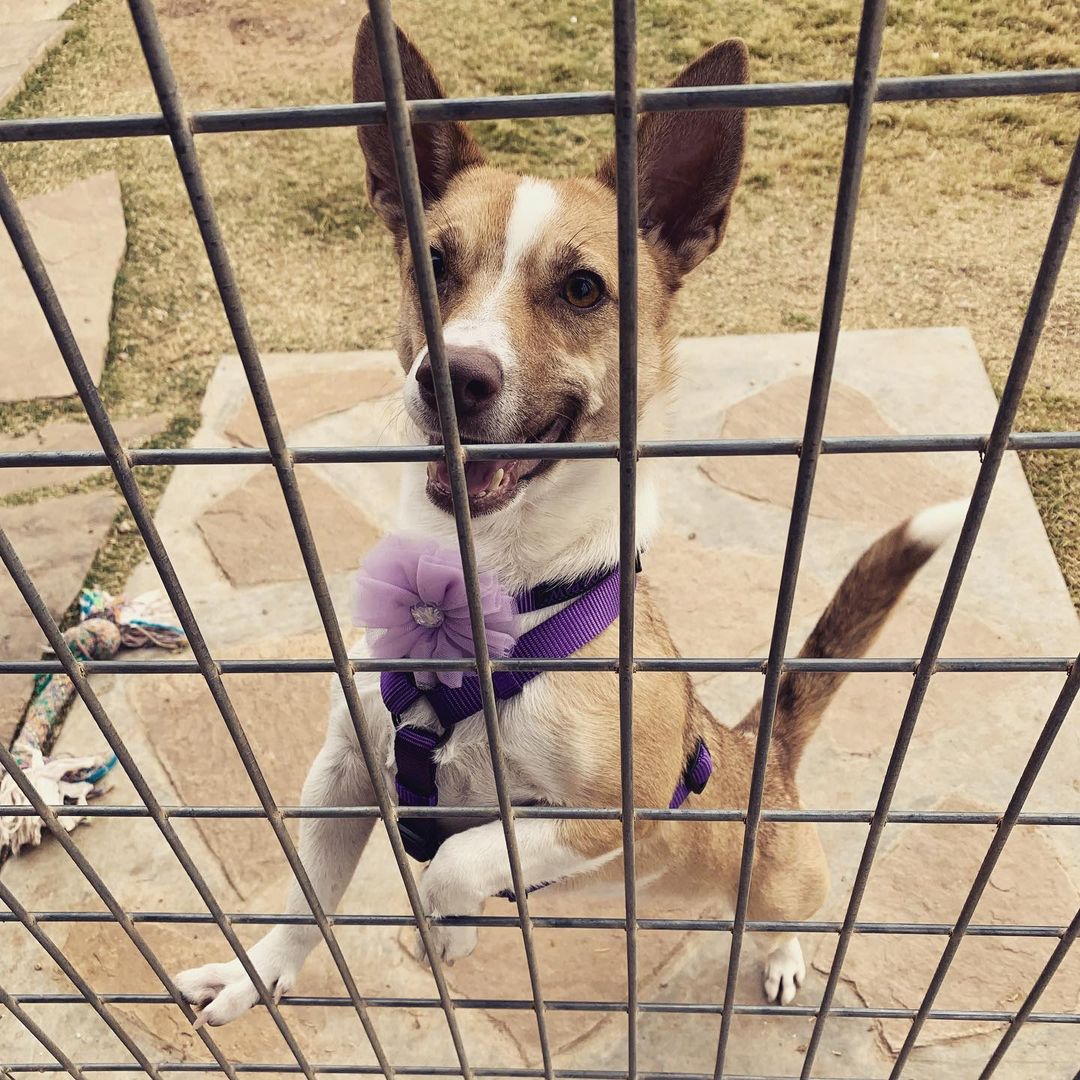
57	780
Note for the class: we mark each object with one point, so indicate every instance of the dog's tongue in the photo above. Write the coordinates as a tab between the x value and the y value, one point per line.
478	474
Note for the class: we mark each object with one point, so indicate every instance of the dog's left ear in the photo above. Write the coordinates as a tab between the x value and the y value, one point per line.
442	149
689	162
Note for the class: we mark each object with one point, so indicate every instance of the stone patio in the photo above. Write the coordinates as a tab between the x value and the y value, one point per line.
717	567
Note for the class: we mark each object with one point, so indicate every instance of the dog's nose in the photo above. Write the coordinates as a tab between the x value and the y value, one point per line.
475	375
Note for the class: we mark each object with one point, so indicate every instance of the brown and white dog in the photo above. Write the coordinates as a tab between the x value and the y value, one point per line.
528	283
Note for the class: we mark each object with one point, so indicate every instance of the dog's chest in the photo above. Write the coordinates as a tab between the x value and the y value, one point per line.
541	758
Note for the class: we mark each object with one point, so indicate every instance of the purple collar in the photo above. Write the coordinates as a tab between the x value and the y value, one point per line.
593	608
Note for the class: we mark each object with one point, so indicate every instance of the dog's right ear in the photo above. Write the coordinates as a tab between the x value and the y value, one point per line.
442	149
689	162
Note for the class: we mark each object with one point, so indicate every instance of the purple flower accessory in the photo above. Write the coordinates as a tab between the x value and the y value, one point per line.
414	591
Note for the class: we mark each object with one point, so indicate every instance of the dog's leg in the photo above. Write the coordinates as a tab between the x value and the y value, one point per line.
473	865
790	881
329	850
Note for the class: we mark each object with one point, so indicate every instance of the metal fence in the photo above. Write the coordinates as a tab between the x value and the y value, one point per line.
625	102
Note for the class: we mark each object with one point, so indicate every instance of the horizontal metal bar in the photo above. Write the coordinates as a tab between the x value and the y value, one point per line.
555	813
557	922
657	448
534	106
701	664
401	1070
517	1005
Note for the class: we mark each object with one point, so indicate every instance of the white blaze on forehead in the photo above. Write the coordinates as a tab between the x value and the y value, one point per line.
535	203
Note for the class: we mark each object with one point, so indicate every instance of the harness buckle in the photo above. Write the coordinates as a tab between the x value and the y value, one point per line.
421	838
700	768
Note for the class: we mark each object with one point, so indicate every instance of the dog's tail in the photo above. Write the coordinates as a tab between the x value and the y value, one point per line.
852	620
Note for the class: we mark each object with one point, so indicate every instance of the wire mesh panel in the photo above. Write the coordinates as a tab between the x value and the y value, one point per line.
625	103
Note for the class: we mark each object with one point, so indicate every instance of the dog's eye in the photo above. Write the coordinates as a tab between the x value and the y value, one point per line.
583	289
438	265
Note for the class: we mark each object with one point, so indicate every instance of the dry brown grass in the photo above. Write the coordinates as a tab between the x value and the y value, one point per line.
956	204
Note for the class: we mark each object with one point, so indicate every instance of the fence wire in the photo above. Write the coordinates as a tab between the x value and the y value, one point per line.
625	102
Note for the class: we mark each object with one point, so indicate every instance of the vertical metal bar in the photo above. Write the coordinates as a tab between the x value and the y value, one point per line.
1027	779
1034	319
20	1014
74	671
867	55
84	988
624	15
1025	1010
183	143
400	129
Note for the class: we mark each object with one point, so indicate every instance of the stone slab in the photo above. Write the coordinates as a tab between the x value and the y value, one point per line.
22	46
66	435
251	537
56	540
81	235
20	11
286	718
299	399
879	489
715	569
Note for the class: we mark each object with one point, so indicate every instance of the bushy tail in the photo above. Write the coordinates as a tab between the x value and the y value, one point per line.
852	621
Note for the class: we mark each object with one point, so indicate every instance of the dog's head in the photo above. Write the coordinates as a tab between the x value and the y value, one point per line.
527	270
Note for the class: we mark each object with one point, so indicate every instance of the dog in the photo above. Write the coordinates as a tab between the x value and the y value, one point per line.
527	275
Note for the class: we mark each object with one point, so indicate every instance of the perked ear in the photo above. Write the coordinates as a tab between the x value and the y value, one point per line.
442	149
689	162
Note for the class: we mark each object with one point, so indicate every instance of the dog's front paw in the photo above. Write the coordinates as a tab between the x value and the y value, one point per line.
223	991
444	893
449	942
784	972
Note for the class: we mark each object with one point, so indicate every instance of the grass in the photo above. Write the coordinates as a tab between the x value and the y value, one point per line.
956	202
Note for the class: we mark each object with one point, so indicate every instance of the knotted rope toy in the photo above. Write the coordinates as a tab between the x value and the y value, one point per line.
414	592
106	624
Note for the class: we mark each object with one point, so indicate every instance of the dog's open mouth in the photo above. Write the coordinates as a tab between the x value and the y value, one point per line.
493	483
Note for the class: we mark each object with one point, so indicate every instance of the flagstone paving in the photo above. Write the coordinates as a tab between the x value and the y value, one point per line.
80	233
22	46
17	11
716	569
66	435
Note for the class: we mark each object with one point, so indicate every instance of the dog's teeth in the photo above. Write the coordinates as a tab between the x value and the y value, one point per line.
497	479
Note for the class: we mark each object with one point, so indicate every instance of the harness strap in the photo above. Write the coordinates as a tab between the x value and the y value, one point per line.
695	776
414	749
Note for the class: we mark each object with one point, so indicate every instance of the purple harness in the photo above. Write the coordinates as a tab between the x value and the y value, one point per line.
594	608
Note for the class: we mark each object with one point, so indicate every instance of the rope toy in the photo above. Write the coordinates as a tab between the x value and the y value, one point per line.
106	625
